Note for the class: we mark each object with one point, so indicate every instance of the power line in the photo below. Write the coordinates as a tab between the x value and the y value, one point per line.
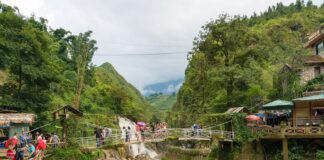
141	54
173	44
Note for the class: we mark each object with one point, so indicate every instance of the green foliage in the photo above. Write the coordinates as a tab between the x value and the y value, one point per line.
233	121
43	69
113	94
161	102
73	153
155	119
82	49
319	155
237	61
188	152
315	83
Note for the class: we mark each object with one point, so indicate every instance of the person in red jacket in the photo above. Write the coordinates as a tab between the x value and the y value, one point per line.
11	144
41	146
11	154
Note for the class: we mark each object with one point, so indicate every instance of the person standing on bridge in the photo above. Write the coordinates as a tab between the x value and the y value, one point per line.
55	140
128	134
98	136
123	134
138	132
142	133
194	129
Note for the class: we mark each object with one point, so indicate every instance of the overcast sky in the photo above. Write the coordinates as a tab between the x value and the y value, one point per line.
140	27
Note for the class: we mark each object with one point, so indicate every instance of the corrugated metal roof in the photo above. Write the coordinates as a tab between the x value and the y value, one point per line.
278	105
311	98
315	37
235	110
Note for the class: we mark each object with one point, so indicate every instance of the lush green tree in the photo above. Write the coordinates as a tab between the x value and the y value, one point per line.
82	50
30	58
237	61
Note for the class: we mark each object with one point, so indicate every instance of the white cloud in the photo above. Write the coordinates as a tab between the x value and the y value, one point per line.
141	26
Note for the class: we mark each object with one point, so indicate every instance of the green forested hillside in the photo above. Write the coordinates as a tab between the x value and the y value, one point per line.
42	69
162	102
113	94
236	60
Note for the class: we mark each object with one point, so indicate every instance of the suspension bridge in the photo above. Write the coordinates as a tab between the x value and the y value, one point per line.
181	134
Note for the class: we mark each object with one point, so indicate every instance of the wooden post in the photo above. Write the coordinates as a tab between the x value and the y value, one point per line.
285	148
64	130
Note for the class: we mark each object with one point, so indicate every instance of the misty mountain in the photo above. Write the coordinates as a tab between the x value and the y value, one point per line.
168	87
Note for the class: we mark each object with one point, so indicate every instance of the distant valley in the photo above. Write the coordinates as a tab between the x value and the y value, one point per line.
162	95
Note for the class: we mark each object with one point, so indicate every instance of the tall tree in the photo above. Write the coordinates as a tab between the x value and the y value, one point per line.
82	50
222	46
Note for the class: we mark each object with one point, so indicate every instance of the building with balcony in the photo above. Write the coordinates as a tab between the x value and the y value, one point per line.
314	64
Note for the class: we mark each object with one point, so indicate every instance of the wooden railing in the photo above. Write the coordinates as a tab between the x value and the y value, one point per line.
289	131
160	135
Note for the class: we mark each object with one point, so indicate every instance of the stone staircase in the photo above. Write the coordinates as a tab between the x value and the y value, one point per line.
3	153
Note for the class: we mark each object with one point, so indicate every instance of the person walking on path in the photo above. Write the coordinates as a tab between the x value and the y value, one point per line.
11	145
31	151
11	154
20	148
55	140
40	147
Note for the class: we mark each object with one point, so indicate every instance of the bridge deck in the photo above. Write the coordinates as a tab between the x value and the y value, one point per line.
159	136
194	138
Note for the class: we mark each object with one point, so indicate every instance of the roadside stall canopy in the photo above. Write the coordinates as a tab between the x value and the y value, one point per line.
278	105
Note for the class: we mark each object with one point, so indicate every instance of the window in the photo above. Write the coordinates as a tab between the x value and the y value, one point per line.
318	111
317	71
319	48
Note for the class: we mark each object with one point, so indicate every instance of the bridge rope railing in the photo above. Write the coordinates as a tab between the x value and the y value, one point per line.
158	135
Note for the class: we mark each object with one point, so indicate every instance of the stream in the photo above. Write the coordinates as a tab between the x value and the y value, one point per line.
136	149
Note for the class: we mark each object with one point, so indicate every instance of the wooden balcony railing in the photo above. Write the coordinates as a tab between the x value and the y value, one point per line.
289	131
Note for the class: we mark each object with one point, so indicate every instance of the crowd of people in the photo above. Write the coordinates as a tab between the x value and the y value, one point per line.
21	145
160	129
127	134
142	130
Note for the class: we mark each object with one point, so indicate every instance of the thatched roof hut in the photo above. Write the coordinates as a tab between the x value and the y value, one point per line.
15	123
7	118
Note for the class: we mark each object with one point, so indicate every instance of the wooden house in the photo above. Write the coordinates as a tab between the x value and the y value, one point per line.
314	64
308	111
307	120
310	66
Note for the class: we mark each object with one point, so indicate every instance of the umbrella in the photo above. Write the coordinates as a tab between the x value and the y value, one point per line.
141	123
252	118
